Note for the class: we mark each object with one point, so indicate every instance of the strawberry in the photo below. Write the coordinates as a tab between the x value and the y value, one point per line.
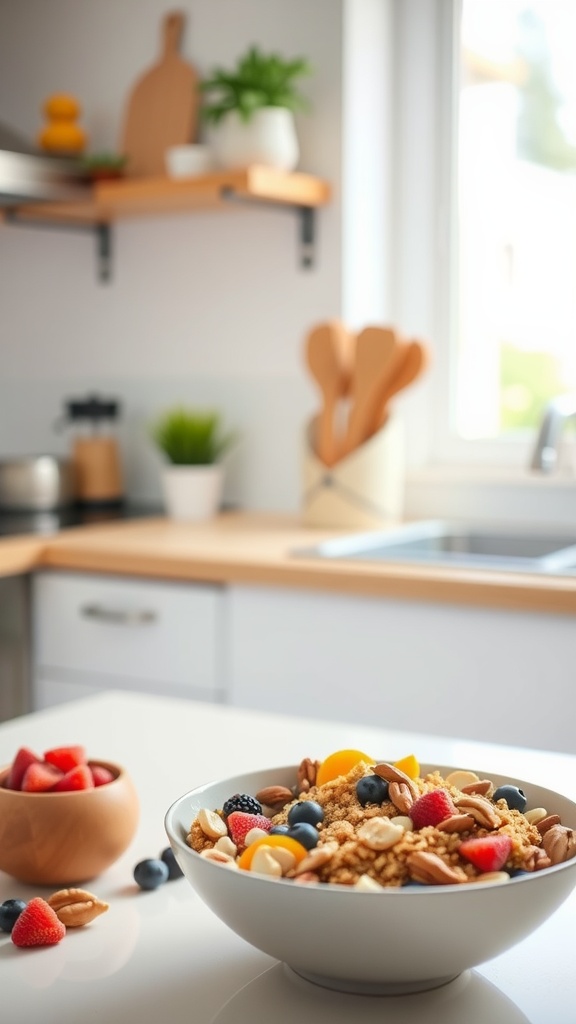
79	777
66	758
239	824
487	853
100	774
23	759
40	777
37	925
431	808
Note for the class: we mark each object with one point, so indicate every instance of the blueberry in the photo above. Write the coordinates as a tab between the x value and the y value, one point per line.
151	873
304	833
10	911
279	830
371	790
306	810
174	869
514	797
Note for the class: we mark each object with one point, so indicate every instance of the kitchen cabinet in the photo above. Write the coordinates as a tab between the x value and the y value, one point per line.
91	633
490	675
110	201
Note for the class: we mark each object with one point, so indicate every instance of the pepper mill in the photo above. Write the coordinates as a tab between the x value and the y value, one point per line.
95	452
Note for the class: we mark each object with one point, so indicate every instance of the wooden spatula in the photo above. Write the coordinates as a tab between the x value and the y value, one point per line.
375	360
162	109
329	355
412	364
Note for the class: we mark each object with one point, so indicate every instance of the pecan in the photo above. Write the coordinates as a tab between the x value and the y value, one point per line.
481	788
306	775
535	859
391	774
543	824
401	796
316	858
481	810
275	796
559	841
430	869
307	878
457	823
76	907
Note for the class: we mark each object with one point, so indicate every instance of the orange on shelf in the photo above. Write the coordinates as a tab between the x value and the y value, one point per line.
62	134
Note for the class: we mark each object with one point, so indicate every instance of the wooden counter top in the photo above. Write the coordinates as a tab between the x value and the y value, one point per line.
256	548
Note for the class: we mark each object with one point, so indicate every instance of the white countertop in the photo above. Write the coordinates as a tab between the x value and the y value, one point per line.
163	956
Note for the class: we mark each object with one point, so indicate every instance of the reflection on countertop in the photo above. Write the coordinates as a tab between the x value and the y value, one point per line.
281	995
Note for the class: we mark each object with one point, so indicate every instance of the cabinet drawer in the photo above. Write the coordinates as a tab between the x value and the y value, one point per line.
144	631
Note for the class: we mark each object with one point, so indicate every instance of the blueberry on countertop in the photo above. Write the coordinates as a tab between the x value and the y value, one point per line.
371	790
304	833
514	797
151	873
10	911
306	811
174	869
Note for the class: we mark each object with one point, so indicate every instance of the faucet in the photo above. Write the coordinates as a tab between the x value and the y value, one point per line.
545	454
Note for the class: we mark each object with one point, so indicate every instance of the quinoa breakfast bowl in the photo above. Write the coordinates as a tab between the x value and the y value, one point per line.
377	877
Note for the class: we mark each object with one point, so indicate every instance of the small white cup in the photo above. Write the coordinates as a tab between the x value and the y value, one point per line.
188	161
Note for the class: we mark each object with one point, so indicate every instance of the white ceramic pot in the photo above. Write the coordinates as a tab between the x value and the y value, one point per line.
269	138
192	492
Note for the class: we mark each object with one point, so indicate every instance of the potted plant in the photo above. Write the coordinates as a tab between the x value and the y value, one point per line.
251	109
192	443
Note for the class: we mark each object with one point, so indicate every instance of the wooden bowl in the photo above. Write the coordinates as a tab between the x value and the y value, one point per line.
66	838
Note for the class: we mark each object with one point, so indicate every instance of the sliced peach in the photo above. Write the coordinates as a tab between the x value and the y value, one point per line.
340	763
287	842
409	765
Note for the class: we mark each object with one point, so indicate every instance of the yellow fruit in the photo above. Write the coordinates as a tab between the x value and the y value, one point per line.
61	106
340	763
409	765
287	842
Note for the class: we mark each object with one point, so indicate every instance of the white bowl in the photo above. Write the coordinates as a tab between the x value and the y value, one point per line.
393	941
188	161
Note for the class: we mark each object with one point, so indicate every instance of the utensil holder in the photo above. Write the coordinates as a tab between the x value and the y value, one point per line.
364	490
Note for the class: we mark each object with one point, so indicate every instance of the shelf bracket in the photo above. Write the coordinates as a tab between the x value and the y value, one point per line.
306	221
101	230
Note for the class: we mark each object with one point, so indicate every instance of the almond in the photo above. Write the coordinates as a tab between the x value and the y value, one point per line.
76	907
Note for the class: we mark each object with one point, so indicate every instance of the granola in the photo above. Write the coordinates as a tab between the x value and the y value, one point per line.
377	827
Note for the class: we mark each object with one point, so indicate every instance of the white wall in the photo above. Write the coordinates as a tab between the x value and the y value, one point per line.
206	308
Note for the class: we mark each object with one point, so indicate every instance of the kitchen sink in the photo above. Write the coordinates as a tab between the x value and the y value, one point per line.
438	542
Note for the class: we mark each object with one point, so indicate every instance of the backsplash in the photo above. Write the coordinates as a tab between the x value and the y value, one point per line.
268	414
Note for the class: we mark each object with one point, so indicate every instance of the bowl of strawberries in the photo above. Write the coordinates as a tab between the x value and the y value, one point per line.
64	817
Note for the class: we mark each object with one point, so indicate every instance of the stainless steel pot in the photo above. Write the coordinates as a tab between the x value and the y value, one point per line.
36	483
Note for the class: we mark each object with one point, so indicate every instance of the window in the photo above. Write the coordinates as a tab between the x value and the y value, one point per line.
485	220
515	147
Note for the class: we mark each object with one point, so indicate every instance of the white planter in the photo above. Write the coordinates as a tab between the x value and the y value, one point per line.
269	138
192	492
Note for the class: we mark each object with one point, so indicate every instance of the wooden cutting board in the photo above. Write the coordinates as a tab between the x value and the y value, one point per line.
162	109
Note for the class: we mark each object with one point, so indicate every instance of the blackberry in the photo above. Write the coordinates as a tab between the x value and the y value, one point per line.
242	802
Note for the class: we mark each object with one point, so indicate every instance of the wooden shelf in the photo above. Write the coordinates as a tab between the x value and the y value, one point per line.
110	201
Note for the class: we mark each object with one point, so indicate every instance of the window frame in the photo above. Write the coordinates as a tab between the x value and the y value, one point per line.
447	475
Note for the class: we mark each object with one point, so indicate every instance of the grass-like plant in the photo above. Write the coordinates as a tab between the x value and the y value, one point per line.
188	437
258	80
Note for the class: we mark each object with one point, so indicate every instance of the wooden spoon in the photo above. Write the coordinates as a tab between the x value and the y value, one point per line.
329	354
414	361
375	361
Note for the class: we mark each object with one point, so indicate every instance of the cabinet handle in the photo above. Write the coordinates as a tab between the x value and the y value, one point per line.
117	616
